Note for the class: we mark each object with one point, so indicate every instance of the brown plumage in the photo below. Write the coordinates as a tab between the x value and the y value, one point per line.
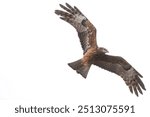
86	31
92	54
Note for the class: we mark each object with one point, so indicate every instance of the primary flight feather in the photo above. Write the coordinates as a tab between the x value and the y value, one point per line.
92	54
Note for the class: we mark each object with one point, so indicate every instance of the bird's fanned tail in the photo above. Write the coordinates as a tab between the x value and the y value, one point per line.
80	68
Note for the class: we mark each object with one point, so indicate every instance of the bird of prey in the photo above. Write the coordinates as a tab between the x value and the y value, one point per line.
92	54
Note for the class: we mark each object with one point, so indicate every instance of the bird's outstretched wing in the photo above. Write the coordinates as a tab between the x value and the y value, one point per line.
122	68
86	30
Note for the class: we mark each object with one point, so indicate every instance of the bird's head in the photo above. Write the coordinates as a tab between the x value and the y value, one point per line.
102	50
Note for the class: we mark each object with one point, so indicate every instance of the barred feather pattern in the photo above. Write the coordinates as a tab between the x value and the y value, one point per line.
86	30
121	67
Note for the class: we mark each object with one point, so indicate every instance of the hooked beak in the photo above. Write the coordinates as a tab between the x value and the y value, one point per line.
106	51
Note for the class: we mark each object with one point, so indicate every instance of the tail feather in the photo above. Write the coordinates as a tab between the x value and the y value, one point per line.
80	68
76	64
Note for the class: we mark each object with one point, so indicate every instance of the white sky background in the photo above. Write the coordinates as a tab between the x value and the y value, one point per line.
35	47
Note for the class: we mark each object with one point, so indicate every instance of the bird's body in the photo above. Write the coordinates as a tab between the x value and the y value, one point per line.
92	54
87	57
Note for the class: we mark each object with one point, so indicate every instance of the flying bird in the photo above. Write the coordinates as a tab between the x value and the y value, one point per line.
92	54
